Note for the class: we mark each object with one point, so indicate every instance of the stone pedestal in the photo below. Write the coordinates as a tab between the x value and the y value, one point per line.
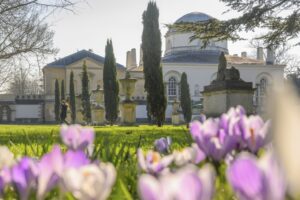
98	116
175	113
128	107
128	113
176	119
222	95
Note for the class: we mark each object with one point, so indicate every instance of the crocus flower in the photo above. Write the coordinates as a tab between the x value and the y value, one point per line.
50	168
186	184
259	180
75	159
6	158
213	138
77	137
162	145
190	154
23	176
5	179
254	132
90	182
153	163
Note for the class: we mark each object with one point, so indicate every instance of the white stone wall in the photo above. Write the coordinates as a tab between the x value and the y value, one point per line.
202	74
28	111
181	41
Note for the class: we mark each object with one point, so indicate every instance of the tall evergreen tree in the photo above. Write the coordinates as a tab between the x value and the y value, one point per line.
62	91
72	98
85	95
185	99
151	46
110	83
57	102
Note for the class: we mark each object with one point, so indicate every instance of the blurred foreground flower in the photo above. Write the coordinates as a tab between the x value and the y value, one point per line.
153	163
50	168
6	158
211	139
162	145
254	132
24	177
77	137
191	155
189	183
257	179
233	130
90	182
285	111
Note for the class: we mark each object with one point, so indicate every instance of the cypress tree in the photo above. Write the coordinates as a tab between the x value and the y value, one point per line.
110	84
151	46
185	99
57	102
85	95
72	98
62	91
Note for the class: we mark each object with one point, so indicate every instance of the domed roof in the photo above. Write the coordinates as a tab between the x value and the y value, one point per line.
194	17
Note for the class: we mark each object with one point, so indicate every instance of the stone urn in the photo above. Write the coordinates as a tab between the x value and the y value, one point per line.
128	107
128	86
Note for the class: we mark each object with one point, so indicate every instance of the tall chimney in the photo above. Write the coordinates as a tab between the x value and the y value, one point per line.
244	54
141	56
128	59
133	57
260	53
270	56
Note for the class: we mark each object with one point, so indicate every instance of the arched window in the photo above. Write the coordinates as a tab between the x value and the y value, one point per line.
169	45
197	90
263	86
172	87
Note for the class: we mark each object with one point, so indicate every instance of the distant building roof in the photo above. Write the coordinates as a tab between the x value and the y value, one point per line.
243	60
76	57
194	17
205	57
136	69
208	57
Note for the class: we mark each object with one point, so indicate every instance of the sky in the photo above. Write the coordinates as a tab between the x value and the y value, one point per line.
94	21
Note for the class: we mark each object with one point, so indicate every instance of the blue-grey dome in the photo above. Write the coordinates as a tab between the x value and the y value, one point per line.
194	17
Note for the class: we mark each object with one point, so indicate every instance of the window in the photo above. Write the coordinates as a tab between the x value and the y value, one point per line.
197	90
263	86
172	86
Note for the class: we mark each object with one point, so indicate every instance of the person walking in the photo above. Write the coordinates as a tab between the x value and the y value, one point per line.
63	113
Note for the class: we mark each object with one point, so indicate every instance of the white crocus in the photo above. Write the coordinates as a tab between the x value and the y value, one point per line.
90	182
190	154
6	157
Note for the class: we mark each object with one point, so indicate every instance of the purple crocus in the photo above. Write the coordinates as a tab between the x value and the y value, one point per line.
257	179
24	176
213	138
186	184
75	159
5	179
162	145
77	137
254	132
153	163
50	168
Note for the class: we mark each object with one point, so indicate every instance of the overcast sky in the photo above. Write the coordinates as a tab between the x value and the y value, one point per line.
121	20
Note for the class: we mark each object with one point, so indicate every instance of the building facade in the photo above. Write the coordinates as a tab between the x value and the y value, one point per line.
181	55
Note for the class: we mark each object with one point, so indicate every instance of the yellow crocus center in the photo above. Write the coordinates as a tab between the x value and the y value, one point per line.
252	136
